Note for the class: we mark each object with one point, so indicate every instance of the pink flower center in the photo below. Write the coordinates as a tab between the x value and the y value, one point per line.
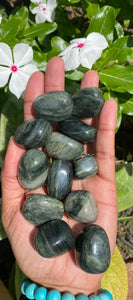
80	45
14	68
44	8
39	2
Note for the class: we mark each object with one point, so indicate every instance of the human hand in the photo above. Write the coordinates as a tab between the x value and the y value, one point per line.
61	272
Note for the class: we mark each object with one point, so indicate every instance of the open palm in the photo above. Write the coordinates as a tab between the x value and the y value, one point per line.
61	272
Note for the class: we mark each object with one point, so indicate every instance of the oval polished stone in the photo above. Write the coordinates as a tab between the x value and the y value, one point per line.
39	209
87	102
60	177
93	250
63	147
54	238
33	133
81	206
85	167
53	106
78	130
33	169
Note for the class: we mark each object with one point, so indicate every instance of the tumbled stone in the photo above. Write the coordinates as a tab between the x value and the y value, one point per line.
53	106
81	206
39	209
78	130
60	177
63	147
33	133
93	250
54	238
87	102
85	167
33	169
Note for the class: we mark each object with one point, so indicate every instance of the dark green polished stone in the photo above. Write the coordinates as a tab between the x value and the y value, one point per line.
60	177
33	133
93	250
53	106
33	169
87	102
63	147
40	208
85	167
81	206
54	238
78	130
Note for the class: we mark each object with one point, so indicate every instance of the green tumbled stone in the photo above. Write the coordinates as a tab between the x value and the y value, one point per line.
54	238
78	130
60	177
33	169
87	102
63	147
39	209
85	167
93	250
33	133
81	206
53	106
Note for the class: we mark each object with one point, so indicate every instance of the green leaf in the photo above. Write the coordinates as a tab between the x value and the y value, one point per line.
128	219
124	186
74	75
111	95
2	231
92	9
58	45
40	60
119	30
103	22
127	107
11	118
10	28
115	278
118	78
39	29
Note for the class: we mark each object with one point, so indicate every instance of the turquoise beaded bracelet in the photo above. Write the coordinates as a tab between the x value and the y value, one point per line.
33	291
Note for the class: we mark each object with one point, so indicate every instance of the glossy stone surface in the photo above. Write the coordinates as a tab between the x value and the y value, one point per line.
53	106
60	177
78	130
85	167
63	147
54	238
39	209
33	133
87	102
93	250
81	206
33	169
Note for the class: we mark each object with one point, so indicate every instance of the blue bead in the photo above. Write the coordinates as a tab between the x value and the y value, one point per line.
106	292
30	291
94	297
68	296
40	293
103	297
53	295
24	285
82	297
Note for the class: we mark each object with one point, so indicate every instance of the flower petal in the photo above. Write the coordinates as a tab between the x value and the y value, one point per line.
98	40
87	57
67	50
5	55
71	59
40	17
4	75
35	10
23	54
78	41
19	79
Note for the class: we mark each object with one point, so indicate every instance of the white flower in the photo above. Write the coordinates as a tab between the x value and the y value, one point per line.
38	1
84	51
18	67
45	11
0	18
